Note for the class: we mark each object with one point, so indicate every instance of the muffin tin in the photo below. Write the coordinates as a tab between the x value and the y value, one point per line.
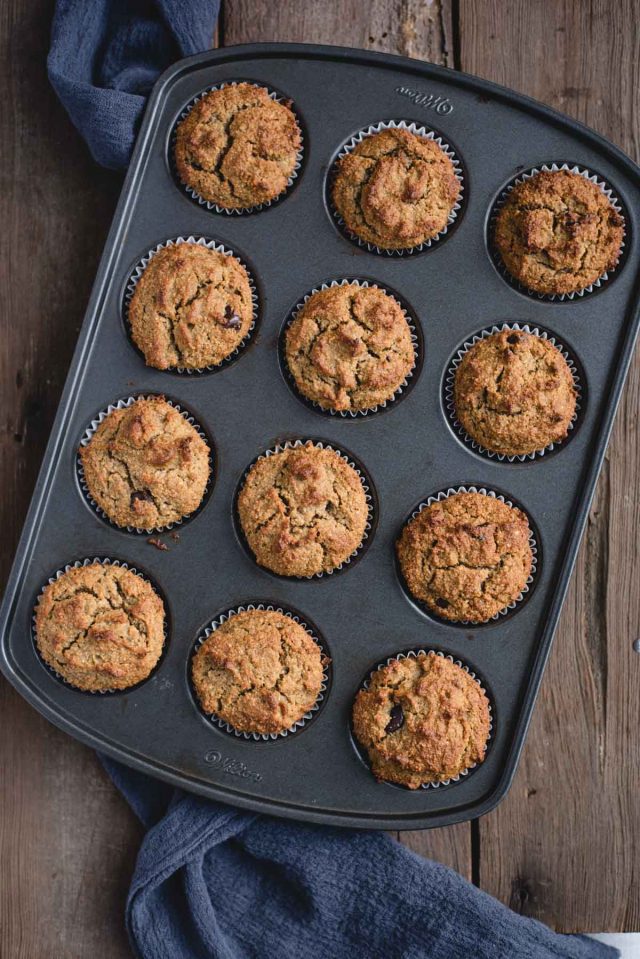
410	450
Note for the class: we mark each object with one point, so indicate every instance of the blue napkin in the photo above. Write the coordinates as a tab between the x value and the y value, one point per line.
213	882
106	55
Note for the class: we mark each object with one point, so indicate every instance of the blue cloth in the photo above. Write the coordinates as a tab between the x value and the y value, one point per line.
106	55
213	882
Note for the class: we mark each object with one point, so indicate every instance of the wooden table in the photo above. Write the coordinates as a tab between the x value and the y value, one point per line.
563	846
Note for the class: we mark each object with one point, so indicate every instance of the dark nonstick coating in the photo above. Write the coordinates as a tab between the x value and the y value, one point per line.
408	450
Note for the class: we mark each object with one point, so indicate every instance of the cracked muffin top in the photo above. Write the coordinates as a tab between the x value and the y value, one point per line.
558	233
349	347
422	720
395	189
146	466
466	557
303	511
514	393
191	307
100	627
259	671
237	147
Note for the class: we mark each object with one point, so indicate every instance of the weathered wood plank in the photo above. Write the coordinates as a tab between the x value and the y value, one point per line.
574	808
67	840
409	27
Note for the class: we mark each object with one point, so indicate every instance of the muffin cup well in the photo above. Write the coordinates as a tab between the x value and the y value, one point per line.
104	561
420	131
141	266
603	185
300	723
402	390
367	486
90	432
514	604
414	654
449	393
208	204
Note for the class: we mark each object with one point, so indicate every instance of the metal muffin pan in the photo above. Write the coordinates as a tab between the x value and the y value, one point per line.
409	450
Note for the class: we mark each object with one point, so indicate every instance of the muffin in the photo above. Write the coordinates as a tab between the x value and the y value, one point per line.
259	671
303	511
558	233
349	348
422	720
191	307
146	466
237	147
514	393
100	627
395	189
466	557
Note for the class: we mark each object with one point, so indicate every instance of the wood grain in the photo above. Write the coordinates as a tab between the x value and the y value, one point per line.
67	840
574	809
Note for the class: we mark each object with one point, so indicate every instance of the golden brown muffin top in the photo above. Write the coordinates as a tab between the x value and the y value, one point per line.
303	511
191	307
100	627
237	147
350	347
146	466
467	557
558	232
422	720
395	189
514	393
259	671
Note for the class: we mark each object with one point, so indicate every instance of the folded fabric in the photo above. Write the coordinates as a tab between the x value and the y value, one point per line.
212	882
106	55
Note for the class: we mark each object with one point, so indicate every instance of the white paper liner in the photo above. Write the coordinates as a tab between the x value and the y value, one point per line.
141	266
420	131
499	203
296	444
104	561
449	398
234	211
89	434
353	414
445	494
414	654
264	737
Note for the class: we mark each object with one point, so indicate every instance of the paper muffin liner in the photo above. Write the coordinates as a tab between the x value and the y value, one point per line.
141	266
414	654
208	204
533	543
104	561
326	665
88	435
601	183
449	392
400	392
367	486
420	131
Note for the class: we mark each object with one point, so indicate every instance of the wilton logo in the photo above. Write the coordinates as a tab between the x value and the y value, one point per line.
232	767
427	100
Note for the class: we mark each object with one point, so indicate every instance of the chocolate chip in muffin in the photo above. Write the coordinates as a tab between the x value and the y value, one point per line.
558	233
395	189
237	147
422	720
466	557
185	308
514	393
